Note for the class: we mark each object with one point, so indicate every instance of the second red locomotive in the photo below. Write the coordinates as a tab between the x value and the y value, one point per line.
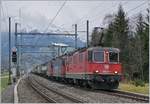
96	67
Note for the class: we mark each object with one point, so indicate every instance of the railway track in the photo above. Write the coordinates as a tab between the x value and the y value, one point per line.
67	97
123	94
130	95
119	93
50	100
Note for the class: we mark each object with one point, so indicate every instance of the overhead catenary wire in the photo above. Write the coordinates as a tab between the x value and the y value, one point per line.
80	19
127	11
4	15
88	14
112	7
102	12
133	18
136	7
50	23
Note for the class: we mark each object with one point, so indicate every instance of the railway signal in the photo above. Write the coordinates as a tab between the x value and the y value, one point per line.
14	55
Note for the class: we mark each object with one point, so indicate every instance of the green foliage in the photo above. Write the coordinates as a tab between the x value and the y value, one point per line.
95	37
121	34
142	38
126	75
139	83
4	83
108	36
132	88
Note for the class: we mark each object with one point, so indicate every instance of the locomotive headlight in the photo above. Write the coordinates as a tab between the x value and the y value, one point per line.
96	71
107	52
116	72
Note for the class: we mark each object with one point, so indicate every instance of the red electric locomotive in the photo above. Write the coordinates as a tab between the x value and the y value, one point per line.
97	67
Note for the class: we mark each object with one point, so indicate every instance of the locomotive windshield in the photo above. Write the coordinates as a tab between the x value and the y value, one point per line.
113	57
99	56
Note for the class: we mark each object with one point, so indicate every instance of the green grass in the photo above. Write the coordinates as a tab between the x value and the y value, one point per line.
4	74
4	83
132	88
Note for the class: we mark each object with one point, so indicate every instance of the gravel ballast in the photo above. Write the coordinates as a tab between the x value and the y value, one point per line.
26	94
7	96
89	96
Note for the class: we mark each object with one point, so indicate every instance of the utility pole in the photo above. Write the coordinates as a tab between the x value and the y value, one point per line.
87	33
21	54
0	16
16	45
9	80
75	36
20	48
20	57
16	34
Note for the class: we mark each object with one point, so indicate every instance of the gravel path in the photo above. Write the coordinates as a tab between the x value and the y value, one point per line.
27	94
7	96
90	96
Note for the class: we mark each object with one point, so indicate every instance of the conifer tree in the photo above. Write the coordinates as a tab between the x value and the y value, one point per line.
120	36
95	37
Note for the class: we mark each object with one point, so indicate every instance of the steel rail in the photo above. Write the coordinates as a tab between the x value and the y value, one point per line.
119	93
123	94
61	93
131	95
50	100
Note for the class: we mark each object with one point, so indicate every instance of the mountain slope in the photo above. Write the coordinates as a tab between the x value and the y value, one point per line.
34	40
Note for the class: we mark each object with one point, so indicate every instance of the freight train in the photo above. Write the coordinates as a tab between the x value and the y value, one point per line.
95	67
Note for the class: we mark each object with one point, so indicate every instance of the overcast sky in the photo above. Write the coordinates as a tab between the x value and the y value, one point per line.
38	14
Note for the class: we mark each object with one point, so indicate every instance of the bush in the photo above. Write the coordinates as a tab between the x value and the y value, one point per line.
139	83
126	76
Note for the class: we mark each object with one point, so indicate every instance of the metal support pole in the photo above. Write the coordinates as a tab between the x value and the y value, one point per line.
21	55
53	54
76	36
87	33
16	35
18	57
20	48
16	45
9	80
59	51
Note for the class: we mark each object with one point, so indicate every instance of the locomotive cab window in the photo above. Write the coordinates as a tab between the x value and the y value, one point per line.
99	56
113	57
80	57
